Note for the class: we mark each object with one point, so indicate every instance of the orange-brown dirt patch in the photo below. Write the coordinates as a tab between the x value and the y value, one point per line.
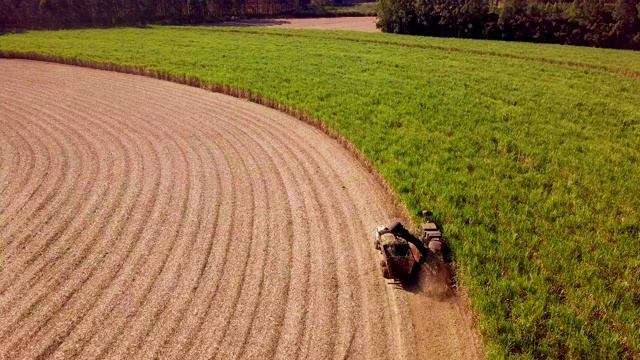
141	218
353	23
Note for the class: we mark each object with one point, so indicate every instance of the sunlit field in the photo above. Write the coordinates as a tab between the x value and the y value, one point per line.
529	155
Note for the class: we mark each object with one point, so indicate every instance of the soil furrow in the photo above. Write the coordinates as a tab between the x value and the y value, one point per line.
358	232
36	203
325	261
148	219
159	336
137	205
313	173
38	166
109	210
74	204
18	176
277	227
278	263
9	156
243	132
175	337
321	223
324	221
150	303
142	262
86	259
44	238
24	152
284	164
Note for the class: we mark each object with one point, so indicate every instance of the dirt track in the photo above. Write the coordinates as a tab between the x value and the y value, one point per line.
142	218
352	23
366	24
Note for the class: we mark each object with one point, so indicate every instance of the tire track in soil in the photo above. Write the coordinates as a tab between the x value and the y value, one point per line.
126	172
148	303
21	173
34	259
335	219
126	294
88	268
173	222
243	133
308	197
58	255
266	174
16	199
52	236
12	154
146	197
37	200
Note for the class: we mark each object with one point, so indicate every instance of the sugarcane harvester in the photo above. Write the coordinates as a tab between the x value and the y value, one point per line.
401	252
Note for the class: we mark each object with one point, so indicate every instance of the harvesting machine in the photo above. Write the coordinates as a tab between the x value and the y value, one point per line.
401	252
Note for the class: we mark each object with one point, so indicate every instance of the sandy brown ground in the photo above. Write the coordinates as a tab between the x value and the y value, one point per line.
141	218
365	24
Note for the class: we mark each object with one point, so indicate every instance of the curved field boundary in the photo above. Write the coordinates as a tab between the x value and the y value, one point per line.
59	310
400	211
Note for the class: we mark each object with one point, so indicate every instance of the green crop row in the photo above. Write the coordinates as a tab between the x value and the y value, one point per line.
529	156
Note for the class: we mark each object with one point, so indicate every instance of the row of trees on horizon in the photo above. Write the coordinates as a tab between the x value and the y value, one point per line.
57	14
599	23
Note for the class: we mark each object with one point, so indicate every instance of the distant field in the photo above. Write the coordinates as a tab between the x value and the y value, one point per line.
529	155
359	9
352	23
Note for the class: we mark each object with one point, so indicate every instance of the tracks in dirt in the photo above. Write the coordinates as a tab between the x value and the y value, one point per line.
141	218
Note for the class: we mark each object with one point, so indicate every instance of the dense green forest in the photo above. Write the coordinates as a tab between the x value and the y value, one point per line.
601	23
55	14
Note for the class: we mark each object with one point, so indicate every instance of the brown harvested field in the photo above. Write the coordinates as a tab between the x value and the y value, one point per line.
353	23
141	218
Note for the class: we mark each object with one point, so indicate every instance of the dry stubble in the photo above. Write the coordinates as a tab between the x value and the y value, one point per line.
144	218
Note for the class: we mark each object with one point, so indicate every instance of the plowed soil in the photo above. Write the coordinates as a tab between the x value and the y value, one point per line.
141	218
352	23
356	23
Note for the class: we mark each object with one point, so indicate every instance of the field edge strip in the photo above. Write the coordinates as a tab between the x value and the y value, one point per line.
399	209
540	60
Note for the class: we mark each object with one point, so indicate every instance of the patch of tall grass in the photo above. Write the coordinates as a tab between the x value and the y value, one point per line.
529	156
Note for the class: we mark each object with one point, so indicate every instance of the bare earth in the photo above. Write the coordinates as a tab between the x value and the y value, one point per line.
141	218
366	24
353	23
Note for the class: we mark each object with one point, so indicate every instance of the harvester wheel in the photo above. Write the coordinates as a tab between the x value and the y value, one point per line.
385	270
385	273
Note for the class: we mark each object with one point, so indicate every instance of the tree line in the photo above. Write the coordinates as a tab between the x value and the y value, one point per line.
599	23
56	14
